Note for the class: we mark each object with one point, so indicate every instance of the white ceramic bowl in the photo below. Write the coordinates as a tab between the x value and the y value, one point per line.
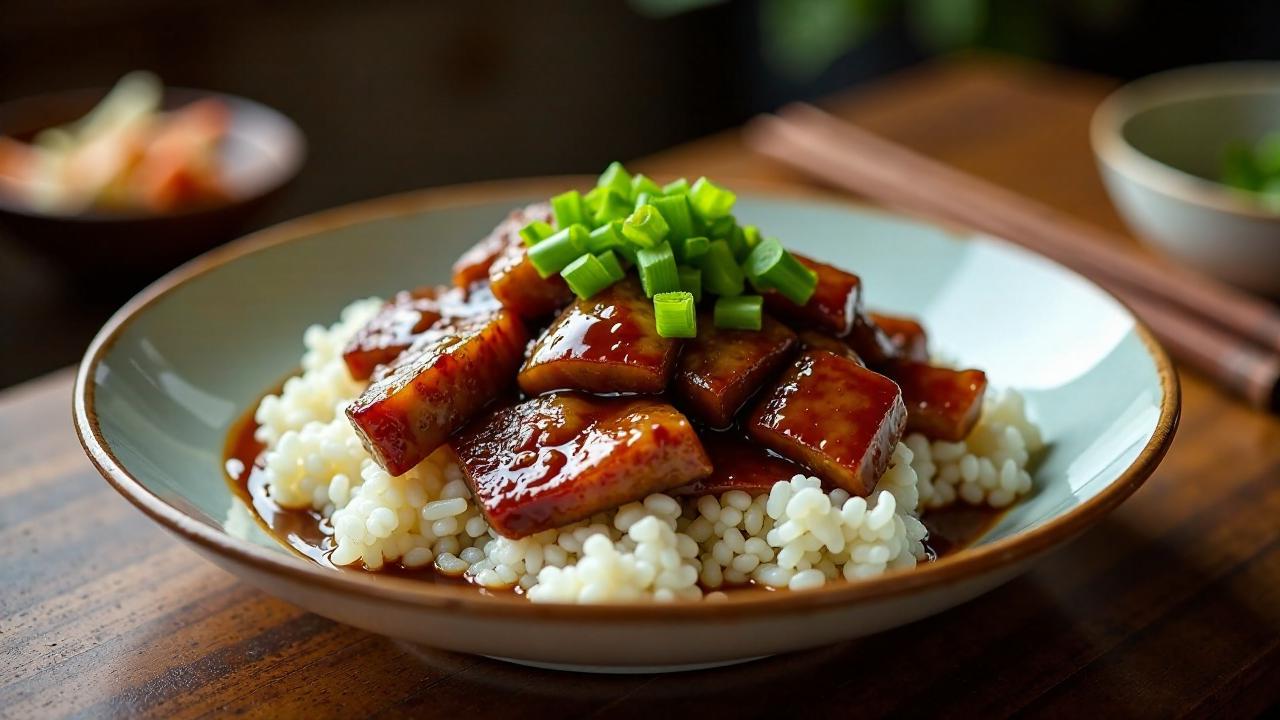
170	373
1159	143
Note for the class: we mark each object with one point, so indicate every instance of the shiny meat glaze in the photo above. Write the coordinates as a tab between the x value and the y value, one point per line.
405	318
942	404
720	370
738	464
907	336
606	344
834	416
816	340
872	344
835	306
518	286
474	264
560	458
436	387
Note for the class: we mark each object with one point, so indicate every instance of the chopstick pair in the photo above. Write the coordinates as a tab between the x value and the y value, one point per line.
1228	335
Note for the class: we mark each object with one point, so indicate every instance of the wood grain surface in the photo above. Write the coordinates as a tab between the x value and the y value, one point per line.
1169	608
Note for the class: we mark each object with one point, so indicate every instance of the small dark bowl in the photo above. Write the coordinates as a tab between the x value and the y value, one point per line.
262	152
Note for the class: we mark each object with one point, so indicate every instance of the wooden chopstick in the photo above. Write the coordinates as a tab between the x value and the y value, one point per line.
1188	312
845	156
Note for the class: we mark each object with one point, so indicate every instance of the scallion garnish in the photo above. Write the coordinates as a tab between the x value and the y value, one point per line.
587	276
691	250
612	265
710	201
645	227
676	187
552	254
641	183
691	281
615	178
612	207
535	232
673	313
720	272
675	210
771	267
605	237
658	272
744	312
568	209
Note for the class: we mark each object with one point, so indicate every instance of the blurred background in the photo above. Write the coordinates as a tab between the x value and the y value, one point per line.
396	95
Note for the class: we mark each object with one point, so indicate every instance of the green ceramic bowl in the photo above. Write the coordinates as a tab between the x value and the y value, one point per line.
180	363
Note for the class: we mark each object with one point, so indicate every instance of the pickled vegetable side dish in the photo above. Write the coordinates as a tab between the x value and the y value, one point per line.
624	395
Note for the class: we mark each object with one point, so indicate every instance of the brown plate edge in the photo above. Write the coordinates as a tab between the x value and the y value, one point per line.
966	563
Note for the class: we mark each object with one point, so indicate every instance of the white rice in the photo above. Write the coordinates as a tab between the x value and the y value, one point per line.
989	467
663	548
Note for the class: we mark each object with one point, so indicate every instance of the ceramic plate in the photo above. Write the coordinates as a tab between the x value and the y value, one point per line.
169	374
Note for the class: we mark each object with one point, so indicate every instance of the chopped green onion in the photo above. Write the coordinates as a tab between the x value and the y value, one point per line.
751	234
605	237
737	240
658	271
675	210
535	232
743	312
691	281
568	209
721	228
691	250
587	276
720	272
641	200
771	267
554	253
641	183
676	187
616	179
591	201
674	315
611	265
646	227
612	207
711	201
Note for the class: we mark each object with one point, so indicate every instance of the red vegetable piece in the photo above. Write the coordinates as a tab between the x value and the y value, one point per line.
561	458
405	318
436	387
943	404
907	335
720	370
738	465
605	344
475	263
835	417
834	307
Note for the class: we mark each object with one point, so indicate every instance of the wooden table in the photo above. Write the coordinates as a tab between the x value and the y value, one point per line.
1170	607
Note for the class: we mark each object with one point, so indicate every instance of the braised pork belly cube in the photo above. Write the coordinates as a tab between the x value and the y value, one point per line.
907	335
835	306
872	343
835	417
738	464
518	286
720	370
817	340
406	317
942	404
437	386
474	264
563	457
608	343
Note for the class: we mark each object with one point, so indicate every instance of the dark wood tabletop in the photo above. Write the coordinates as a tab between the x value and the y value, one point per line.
1170	607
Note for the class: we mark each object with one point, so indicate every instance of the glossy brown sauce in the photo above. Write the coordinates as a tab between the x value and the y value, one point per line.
739	463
